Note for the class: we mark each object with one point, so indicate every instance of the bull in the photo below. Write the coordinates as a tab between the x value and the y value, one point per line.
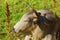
33	23
40	24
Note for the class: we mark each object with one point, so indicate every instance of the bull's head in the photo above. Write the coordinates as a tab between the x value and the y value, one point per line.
27	21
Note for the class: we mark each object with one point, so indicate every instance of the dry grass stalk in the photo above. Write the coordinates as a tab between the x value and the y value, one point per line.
54	3
8	19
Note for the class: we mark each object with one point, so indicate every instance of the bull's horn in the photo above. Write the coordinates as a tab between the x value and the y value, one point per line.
31	9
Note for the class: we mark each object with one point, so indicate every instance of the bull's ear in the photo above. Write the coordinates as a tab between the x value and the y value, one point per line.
37	14
32	10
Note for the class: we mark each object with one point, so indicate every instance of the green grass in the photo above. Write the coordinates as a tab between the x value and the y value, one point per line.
18	8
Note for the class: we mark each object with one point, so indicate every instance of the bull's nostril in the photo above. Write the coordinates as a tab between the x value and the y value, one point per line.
20	31
13	31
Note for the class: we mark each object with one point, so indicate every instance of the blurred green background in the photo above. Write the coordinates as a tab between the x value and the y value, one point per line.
18	8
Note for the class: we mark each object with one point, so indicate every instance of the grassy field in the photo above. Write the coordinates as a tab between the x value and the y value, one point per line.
18	8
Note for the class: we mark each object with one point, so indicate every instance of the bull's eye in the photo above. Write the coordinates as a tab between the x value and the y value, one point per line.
25	20
28	20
